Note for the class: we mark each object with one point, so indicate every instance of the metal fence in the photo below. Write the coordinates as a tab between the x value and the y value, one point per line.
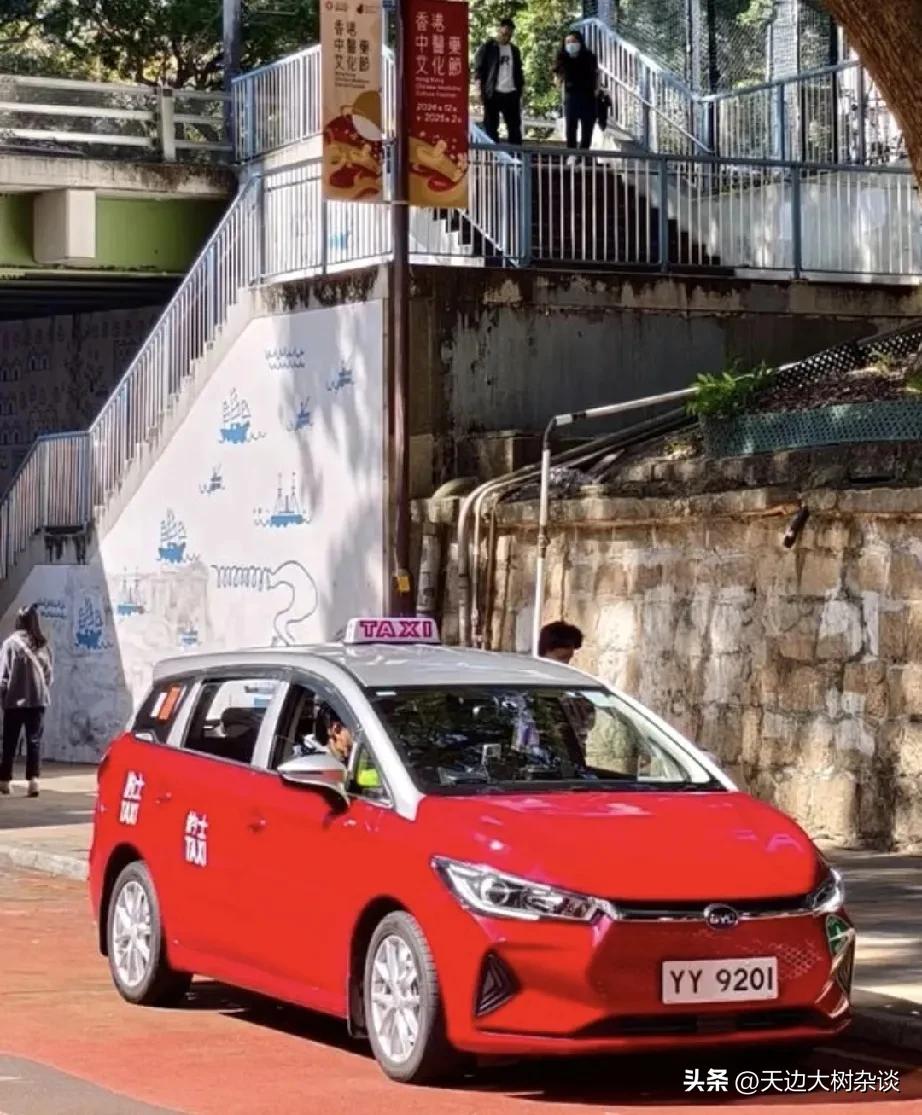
830	115
541	205
128	121
50	489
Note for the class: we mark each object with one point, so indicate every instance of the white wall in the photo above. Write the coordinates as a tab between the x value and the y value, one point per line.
241	578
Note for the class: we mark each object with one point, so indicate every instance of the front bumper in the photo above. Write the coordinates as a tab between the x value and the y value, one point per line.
515	988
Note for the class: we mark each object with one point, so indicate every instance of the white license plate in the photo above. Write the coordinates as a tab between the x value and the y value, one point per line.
720	981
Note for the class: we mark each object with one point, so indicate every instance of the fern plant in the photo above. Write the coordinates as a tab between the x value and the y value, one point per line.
727	393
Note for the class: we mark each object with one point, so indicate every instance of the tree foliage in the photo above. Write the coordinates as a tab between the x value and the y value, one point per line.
540	28
178	42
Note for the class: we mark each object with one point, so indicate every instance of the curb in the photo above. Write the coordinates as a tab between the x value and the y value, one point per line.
883	1027
50	863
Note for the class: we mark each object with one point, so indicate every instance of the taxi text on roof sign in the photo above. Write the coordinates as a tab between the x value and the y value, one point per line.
391	631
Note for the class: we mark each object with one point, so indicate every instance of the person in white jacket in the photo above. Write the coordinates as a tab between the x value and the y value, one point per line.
26	665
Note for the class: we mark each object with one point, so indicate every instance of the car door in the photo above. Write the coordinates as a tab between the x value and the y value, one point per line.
310	860
209	807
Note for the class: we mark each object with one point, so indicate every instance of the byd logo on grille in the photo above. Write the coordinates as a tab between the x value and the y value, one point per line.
721	917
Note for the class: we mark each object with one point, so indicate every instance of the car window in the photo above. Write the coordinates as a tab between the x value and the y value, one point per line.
228	717
307	726
158	713
470	739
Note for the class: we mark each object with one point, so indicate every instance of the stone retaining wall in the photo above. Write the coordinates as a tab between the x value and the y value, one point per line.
801	668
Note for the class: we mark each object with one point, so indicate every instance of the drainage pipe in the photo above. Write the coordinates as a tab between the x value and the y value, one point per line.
567	420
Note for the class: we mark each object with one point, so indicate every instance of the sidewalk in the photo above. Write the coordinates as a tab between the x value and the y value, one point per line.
52	834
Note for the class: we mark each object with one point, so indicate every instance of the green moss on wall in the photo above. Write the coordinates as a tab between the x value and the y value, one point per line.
132	234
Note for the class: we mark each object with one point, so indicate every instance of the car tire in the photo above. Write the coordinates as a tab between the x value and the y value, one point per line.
399	944
136	943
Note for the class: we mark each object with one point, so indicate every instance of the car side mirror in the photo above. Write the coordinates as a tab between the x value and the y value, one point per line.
322	773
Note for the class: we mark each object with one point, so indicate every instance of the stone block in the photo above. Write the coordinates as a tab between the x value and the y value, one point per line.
804	690
864	689
892	633
841	630
779	739
729	622
617	627
913	621
821	573
869	571
909	757
905	685
722	732
751	735
905	576
816	744
725	676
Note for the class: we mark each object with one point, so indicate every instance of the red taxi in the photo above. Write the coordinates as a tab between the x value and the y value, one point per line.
458	853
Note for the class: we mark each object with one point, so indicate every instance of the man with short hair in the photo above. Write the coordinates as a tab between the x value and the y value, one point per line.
559	641
498	69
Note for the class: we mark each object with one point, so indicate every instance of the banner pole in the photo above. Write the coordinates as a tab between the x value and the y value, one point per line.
400	323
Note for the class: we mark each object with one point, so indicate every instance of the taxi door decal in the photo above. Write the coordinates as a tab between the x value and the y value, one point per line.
132	793
196	837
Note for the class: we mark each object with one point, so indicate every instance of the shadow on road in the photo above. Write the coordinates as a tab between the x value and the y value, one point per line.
638	1081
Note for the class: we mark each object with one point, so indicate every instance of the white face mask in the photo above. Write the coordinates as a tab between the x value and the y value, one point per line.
573	49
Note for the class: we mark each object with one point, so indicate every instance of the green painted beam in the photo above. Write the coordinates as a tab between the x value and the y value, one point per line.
140	235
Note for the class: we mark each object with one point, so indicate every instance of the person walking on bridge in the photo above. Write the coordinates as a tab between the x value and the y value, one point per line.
498	69
577	70
26	665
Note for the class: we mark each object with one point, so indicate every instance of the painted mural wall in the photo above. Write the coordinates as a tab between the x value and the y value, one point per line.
56	372
261	524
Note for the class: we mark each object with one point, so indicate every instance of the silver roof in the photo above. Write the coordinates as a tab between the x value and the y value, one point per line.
383	666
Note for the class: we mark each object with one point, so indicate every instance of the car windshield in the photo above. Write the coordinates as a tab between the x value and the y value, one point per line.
500	738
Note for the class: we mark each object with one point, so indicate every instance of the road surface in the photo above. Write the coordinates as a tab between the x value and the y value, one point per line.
70	1046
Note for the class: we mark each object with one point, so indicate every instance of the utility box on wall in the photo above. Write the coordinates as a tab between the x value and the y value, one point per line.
64	227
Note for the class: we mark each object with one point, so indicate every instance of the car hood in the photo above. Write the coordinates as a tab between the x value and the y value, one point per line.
643	846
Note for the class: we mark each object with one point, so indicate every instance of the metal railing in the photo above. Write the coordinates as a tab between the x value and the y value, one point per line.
128	121
539	204
834	115
49	489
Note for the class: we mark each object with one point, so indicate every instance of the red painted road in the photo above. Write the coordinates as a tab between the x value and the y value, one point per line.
227	1053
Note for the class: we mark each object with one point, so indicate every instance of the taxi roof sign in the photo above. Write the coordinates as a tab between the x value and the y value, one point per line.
396	630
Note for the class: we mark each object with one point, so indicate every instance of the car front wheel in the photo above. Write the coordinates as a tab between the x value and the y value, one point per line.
404	1016
136	947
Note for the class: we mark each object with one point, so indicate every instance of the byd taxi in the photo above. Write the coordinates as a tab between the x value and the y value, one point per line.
457	852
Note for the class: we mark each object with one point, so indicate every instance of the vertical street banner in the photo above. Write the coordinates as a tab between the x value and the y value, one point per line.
438	75
353	124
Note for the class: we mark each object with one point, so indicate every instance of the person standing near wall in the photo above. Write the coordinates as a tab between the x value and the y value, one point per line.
26	665
577	71
498	69
559	641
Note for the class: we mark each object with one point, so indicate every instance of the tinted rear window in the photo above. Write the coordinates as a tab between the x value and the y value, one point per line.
161	708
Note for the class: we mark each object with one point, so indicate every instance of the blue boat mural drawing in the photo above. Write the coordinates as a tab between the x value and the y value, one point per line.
236	421
214	484
130	603
188	636
172	540
90	627
343	379
285	359
303	420
287	511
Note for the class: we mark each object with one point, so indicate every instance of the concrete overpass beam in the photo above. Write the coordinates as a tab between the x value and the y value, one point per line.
64	223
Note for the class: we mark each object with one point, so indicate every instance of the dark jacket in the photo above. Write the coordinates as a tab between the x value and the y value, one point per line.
25	674
486	68
580	75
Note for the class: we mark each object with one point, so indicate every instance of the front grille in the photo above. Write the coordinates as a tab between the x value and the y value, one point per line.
667	1025
694	911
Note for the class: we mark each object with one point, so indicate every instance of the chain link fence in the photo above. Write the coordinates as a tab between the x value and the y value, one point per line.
718	45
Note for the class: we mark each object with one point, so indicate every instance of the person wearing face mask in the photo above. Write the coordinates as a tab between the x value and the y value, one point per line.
498	69
577	70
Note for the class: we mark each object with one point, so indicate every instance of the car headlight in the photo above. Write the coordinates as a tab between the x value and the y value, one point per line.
505	896
829	896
